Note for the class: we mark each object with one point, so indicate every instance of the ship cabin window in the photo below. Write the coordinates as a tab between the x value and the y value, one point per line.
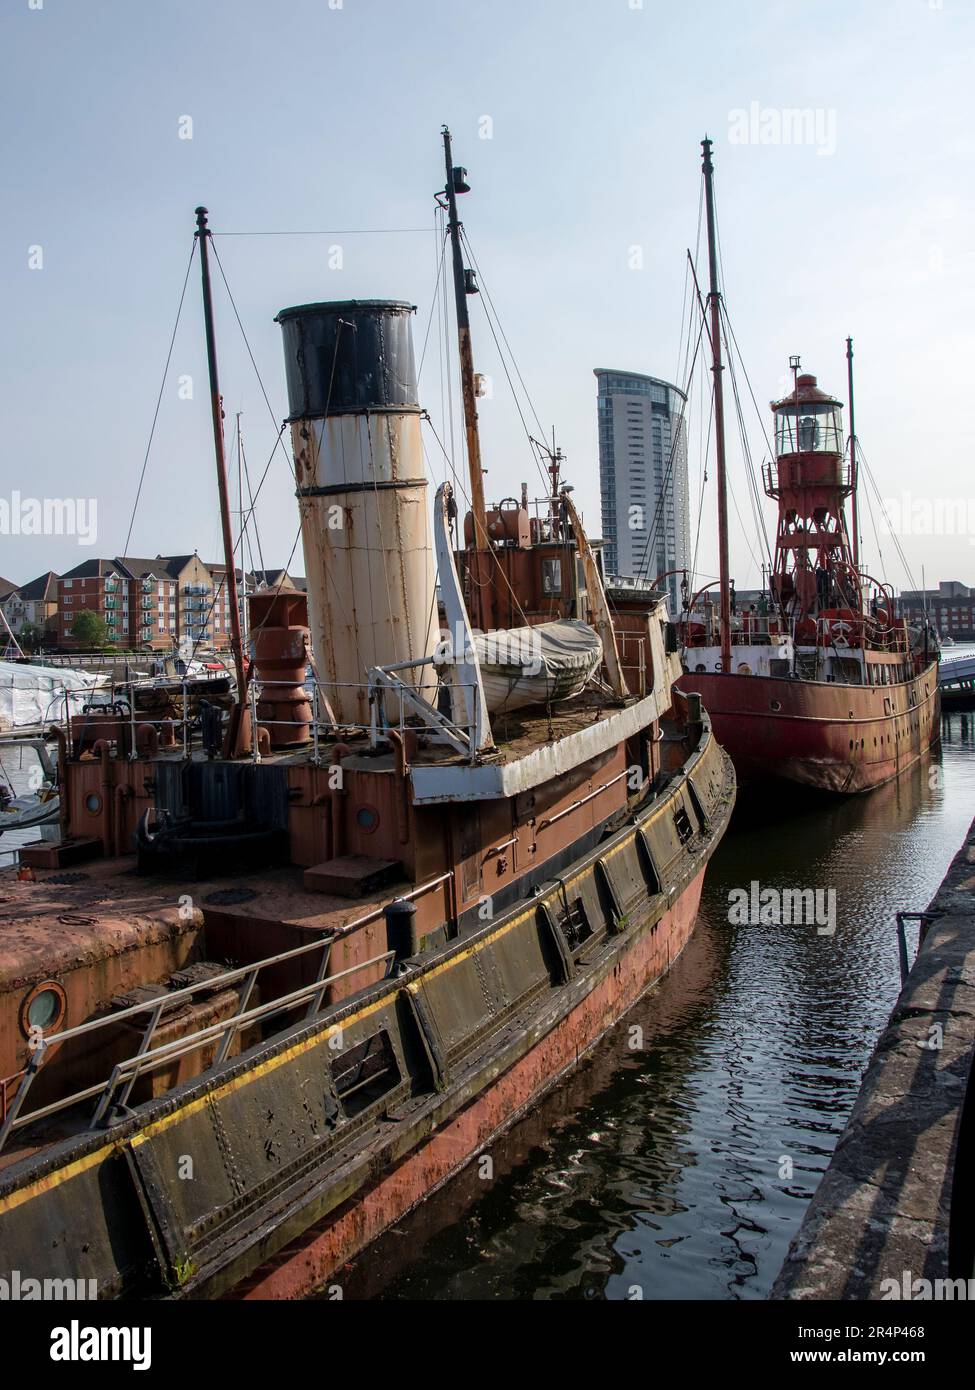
552	578
817	429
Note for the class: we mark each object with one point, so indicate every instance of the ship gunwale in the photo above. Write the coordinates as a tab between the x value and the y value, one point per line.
526	1023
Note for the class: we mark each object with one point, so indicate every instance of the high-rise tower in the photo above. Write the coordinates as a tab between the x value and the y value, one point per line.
643	477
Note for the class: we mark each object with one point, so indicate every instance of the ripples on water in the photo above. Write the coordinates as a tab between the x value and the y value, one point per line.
659	1173
656	1172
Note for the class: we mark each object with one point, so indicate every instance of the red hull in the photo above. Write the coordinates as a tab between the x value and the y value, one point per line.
837	738
314	1259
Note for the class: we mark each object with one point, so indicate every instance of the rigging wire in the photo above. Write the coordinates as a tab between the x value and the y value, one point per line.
434	304
466	497
447	354
336	231
280	584
753	494
490	302
666	483
260	382
162	387
491	315
704	447
244	522
886	516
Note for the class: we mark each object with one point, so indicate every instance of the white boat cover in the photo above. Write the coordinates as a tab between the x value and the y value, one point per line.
537	665
32	695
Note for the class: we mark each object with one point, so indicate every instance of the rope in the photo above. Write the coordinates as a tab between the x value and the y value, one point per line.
260	382
162	387
489	305
491	552
337	231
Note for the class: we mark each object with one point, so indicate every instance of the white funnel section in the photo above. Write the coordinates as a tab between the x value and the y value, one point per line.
362	496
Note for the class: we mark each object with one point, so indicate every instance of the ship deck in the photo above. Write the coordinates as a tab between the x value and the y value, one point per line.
62	918
516	734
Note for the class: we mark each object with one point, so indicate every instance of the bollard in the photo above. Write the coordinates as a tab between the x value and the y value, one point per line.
695	721
401	933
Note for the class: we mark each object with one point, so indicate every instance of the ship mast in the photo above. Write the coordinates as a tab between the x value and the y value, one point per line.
238	733
714	306
853	462
482	557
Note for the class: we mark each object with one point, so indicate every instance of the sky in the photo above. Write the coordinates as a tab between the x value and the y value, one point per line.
579	122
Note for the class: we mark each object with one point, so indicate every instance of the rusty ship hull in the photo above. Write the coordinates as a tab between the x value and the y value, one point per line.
328	938
291	1174
828	737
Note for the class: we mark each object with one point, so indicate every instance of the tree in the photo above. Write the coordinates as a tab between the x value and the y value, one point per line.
90	629
30	637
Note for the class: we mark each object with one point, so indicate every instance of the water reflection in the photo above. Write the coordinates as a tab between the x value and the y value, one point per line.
680	1169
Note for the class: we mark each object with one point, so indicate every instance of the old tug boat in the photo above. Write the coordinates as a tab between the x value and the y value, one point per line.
821	685
316	968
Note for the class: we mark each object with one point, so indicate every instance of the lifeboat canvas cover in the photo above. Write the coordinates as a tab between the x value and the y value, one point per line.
536	665
32	695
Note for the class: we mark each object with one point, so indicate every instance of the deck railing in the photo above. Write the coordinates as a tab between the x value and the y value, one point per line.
117	1087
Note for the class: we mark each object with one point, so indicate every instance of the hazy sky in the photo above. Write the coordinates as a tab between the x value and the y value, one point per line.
316	116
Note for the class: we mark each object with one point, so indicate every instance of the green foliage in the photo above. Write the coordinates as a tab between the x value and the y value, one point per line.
90	628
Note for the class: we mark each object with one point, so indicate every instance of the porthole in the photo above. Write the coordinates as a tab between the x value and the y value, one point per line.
44	1007
775	706
93	803
367	819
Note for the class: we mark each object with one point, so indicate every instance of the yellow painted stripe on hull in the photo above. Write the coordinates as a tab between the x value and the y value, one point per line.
82	1165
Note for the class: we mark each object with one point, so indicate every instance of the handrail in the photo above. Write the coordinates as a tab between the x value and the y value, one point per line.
155	1007
582	801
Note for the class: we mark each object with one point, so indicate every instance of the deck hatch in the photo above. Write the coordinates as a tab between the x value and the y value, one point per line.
365	1073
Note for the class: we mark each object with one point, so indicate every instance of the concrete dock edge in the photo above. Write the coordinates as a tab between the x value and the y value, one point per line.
882	1210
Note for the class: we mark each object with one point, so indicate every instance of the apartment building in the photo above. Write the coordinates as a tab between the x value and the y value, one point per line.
35	604
643	477
950	607
154	604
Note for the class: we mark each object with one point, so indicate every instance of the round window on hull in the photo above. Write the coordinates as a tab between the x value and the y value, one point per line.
43	1008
